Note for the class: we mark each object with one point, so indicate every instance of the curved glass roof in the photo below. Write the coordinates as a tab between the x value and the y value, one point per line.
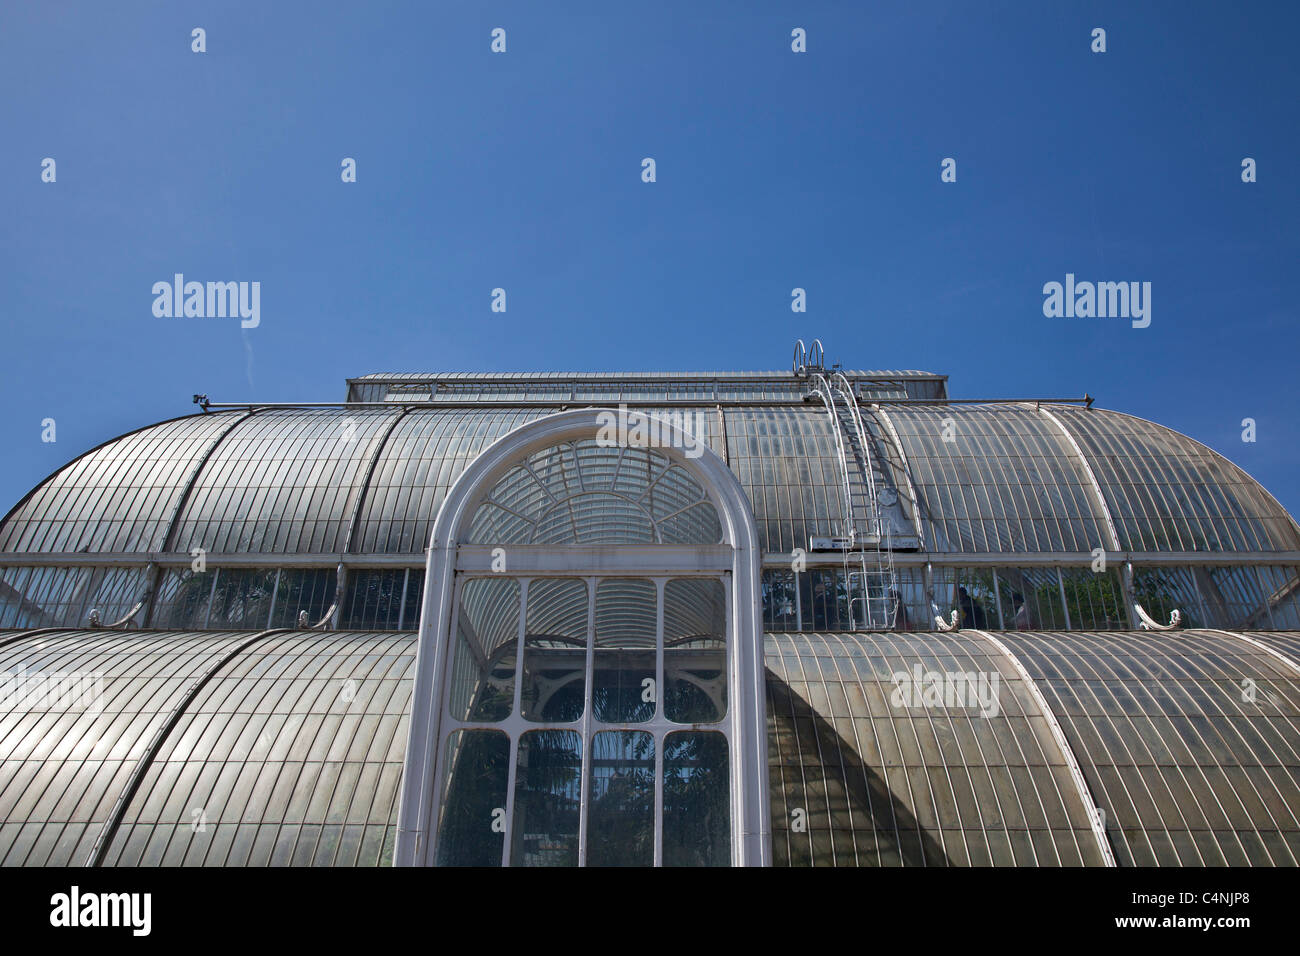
426	452
282	482
997	479
786	461
987	478
1286	643
1192	766
65	761
1167	492
582	493
117	497
289	752
292	755
882	785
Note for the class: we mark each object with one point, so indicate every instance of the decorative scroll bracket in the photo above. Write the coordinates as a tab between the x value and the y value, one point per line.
1148	624
940	623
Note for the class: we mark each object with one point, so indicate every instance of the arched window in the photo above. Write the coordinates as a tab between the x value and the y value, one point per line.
583	493
587	682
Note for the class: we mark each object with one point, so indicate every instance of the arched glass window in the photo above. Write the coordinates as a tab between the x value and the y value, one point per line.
582	492
585	716
575	751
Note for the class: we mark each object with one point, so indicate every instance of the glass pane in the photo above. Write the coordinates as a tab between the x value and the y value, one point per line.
975	598
623	676
1031	599
300	590
597	492
555	650
286	482
620	814
425	453
697	805
242	598
1162	589
547	798
779	611
996	480
471	831
824	596
51	597
183	598
1094	599
374	599
695	650
117	497
487	632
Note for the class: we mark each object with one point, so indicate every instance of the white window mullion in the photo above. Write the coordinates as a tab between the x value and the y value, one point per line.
275	592
401	608
510	799
515	717
731	720
212	596
660	719
584	782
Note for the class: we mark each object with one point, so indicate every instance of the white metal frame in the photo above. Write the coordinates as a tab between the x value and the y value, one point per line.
745	722
586	726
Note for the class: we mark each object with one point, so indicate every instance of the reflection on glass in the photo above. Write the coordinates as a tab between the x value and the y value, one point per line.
374	599
183	596
621	810
555	650
824	594
695	650
779	610
47	597
548	793
623	682
487	633
474	797
242	598
697	812
1094	600
1162	589
1030	597
303	590
974	597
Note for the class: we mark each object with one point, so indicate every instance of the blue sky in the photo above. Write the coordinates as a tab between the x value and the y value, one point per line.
522	170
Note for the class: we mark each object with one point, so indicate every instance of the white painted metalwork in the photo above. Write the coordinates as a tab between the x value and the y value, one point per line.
331	559
1147	623
941	624
822	389
880	595
745	722
863	525
621	559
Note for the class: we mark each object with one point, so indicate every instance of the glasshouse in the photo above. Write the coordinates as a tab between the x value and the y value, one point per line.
811	617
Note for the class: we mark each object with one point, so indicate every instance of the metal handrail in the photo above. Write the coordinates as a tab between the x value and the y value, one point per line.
470	402
852	403
828	399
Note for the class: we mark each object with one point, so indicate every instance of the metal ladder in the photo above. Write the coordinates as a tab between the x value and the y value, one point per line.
873	552
869	572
